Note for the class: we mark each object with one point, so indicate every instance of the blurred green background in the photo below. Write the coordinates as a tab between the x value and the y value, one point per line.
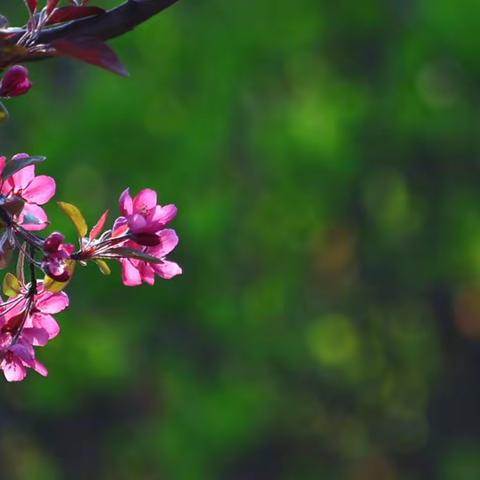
324	157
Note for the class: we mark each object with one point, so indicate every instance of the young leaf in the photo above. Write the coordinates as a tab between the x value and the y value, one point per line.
103	266
75	216
93	51
51	5
66	14
95	231
11	286
126	252
13	166
31	5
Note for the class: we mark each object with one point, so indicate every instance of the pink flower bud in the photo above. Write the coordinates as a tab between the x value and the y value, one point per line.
15	82
53	242
55	262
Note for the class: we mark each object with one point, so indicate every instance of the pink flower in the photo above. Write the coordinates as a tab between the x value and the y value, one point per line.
34	191
45	305
18	335
15	82
15	360
57	254
143	214
135	271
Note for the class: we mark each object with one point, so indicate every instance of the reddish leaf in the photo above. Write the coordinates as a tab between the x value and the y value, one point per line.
94	232
91	50
51	5
32	5
66	14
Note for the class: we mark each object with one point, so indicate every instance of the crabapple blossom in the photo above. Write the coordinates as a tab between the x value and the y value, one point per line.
26	321
32	190
136	271
142	213
138	240
138	237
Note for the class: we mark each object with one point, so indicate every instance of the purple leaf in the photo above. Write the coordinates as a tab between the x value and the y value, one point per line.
93	51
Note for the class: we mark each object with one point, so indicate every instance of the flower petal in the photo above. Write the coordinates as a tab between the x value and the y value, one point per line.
130	275
137	223
14	370
145	201
50	302
40	368
126	203
168	241
164	214
36	336
167	270
47	323
23	350
120	227
40	190
147	273
23	177
3	161
33	217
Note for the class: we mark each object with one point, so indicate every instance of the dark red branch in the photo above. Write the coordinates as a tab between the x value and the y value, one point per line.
82	38
109	25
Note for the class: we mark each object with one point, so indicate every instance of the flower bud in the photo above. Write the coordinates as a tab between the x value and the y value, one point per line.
15	82
53	242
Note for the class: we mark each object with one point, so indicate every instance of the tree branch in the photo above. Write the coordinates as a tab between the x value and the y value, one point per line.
110	24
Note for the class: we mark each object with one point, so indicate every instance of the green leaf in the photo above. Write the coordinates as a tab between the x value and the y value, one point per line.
13	166
11	286
126	252
75	216
103	266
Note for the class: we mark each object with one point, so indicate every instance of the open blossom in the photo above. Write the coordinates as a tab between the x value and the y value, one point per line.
143	214
16	358
15	82
27	323
136	271
146	219
138	240
31	189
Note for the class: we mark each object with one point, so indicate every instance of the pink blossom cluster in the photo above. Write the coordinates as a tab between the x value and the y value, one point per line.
139	239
